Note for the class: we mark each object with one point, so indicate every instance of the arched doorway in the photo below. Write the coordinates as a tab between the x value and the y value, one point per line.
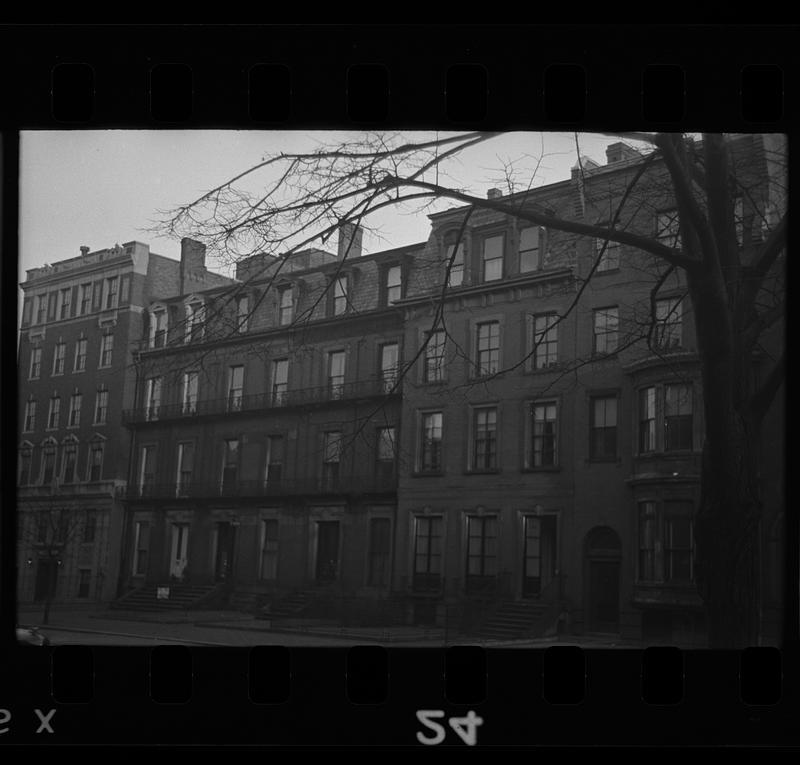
603	555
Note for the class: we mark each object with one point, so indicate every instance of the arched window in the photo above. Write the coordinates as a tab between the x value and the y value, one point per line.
48	468
69	460
94	469
25	463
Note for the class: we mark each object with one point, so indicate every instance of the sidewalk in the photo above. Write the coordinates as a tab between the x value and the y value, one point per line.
235	628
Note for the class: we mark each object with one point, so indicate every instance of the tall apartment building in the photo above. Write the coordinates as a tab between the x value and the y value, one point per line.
79	317
264	429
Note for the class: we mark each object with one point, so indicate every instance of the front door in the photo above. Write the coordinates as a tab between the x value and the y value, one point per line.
180	549
539	564
45	579
603	596
327	551
226	538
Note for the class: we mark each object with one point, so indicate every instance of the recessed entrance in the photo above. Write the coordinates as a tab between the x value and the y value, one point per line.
226	540
46	573
327	551
603	558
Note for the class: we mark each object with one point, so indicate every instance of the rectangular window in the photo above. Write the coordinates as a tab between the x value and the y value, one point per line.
488	348
544	447
434	357
331	457
55	412
544	344
147	470
152	397
647	541
427	552
85	298
609	261
668	228
69	462
96	461
394	284
75	410
141	547
41	309
606	330
269	549
90	527
101	407
379	552
336	361
111	292
64	302
678	418
481	552
539	554
389	366
48	464
190	384
242	313
275	456
80	354
385	453
668	323
603	440
59	355
339	295
185	467
235	388
36	364
431	443
286	306
30	416
106	350
485	439
529	249
25	466
230	464
647	420
280	381
493	258
678	542
457	268
159	339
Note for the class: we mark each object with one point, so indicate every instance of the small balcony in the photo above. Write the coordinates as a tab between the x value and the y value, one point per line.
199	490
258	402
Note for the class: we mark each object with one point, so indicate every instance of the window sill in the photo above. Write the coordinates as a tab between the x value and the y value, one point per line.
604	460
558	366
427	474
672	454
434	383
606	271
600	356
78	371
542	469
488	471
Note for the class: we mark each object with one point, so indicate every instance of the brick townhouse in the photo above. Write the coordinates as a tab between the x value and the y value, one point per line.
487	430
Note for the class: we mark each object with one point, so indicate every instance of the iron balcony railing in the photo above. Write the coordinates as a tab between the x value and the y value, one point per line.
276	399
281	488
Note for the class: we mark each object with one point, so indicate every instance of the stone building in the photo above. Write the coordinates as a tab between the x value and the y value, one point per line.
79	319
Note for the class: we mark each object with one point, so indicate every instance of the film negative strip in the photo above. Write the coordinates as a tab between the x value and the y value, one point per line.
429	679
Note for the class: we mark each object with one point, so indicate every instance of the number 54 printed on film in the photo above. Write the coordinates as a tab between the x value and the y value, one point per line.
465	727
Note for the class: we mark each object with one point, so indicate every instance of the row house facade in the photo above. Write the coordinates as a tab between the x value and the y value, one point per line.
265	430
75	377
503	414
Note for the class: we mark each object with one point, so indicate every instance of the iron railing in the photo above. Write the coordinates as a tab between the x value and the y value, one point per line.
281	488
236	404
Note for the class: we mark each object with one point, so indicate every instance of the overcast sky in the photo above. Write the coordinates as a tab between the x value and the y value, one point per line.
98	188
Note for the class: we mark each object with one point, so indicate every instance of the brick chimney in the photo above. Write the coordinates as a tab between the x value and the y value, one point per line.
494	194
350	237
193	262
84	250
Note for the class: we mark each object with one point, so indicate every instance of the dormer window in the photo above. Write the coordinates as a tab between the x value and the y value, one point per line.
285	309
242	313
158	327
457	267
340	285
195	318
